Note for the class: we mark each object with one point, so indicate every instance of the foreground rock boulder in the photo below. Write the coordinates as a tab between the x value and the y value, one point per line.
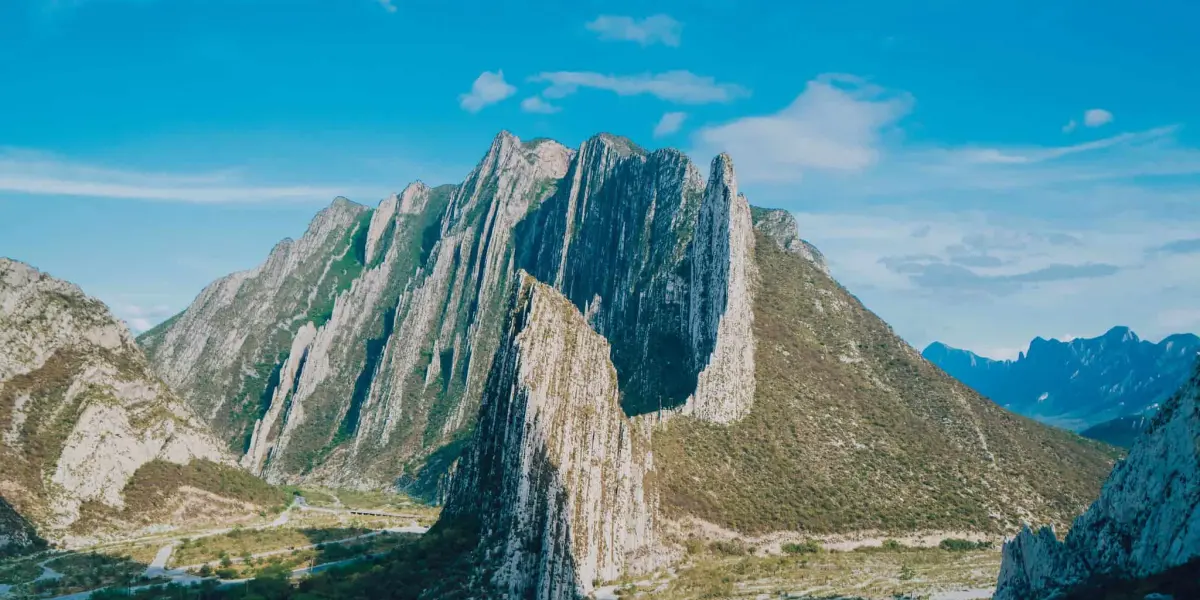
1146	522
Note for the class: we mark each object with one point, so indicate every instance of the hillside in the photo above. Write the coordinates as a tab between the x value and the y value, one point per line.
81	412
1080	384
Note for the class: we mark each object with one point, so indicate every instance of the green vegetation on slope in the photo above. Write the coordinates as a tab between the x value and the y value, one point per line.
852	430
148	492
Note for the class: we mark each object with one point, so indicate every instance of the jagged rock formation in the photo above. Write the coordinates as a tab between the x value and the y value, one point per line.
565	471
80	409
720	374
1146	522
1079	384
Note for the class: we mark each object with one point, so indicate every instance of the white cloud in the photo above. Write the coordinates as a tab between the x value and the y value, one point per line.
535	104
837	123
387	5
674	86
1070	126
657	29
141	318
669	123
1097	117
1035	154
489	88
35	173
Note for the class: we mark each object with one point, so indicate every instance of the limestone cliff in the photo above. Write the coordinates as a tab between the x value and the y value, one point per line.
1146	521
556	473
772	399
80	409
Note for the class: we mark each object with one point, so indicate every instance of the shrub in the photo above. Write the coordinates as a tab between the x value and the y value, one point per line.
805	547
728	547
960	545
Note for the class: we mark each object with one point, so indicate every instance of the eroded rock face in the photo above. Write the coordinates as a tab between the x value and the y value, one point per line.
1146	521
556	472
396	311
80	409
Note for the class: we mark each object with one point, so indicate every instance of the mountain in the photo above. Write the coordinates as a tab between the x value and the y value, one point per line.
1144	527
1121	431
1079	384
593	354
83	419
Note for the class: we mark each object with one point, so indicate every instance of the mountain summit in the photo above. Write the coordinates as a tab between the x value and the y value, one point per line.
594	353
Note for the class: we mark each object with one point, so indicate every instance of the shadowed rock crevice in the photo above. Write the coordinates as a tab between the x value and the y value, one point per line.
638	244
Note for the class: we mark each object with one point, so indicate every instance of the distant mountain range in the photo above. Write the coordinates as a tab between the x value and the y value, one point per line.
1101	387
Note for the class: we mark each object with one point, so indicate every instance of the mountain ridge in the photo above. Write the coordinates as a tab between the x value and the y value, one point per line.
1085	383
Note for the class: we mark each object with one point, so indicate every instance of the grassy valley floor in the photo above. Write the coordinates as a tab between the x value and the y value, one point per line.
320	527
811	573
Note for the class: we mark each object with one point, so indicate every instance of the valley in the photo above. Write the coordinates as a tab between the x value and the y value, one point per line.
317	531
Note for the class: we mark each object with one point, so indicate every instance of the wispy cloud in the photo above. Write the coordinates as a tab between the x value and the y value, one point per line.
669	123
488	88
535	104
1186	246
1028	275
387	5
837	123
27	172
683	87
657	29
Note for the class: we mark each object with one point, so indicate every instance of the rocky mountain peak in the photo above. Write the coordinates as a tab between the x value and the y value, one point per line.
732	369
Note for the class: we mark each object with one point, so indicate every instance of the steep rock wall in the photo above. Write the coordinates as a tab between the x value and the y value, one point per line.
556	472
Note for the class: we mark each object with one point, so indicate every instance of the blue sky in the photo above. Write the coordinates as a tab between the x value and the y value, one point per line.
976	172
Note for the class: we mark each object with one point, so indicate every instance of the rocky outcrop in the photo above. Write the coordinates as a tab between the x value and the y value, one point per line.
556	473
780	227
80	409
1146	521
